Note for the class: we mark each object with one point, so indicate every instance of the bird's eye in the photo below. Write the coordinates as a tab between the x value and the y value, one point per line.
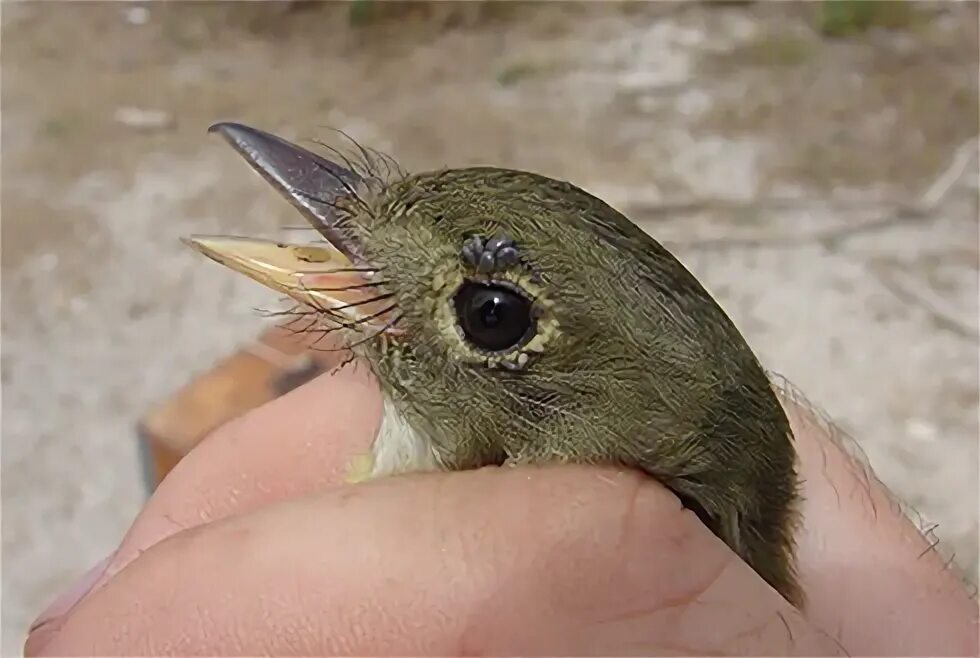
493	317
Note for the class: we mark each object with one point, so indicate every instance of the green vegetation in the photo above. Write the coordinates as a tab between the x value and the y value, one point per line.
55	128
842	18
360	12
512	74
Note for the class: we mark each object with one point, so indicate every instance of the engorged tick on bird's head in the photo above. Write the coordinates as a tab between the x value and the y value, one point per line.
513	319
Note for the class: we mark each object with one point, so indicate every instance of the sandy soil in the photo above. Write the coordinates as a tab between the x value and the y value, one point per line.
693	119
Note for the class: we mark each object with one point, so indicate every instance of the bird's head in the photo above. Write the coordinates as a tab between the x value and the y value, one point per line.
513	318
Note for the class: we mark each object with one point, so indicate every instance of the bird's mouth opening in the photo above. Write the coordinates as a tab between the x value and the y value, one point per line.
330	276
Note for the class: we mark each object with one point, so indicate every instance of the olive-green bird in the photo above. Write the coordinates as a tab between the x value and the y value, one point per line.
513	319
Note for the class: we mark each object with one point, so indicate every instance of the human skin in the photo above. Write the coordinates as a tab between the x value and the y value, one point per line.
255	545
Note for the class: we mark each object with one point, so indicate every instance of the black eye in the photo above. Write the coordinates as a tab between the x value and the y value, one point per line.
493	317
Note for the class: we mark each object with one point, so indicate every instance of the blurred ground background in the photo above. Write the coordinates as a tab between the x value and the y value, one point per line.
815	170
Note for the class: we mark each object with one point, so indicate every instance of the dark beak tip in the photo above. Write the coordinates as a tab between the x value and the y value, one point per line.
245	138
223	128
310	182
270	155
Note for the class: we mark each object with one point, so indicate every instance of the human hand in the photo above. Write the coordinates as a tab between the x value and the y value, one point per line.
253	545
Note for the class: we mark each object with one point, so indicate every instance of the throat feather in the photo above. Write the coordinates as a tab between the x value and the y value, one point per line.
399	447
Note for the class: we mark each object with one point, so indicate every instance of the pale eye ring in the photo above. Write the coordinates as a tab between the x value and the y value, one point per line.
493	317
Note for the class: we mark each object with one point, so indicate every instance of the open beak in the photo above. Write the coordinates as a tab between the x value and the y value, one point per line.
329	276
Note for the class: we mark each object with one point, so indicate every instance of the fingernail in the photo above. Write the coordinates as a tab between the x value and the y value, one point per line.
69	598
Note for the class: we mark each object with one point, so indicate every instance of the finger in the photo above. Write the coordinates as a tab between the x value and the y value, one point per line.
295	444
869	575
553	561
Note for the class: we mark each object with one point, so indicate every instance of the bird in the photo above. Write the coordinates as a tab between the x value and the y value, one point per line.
513	319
